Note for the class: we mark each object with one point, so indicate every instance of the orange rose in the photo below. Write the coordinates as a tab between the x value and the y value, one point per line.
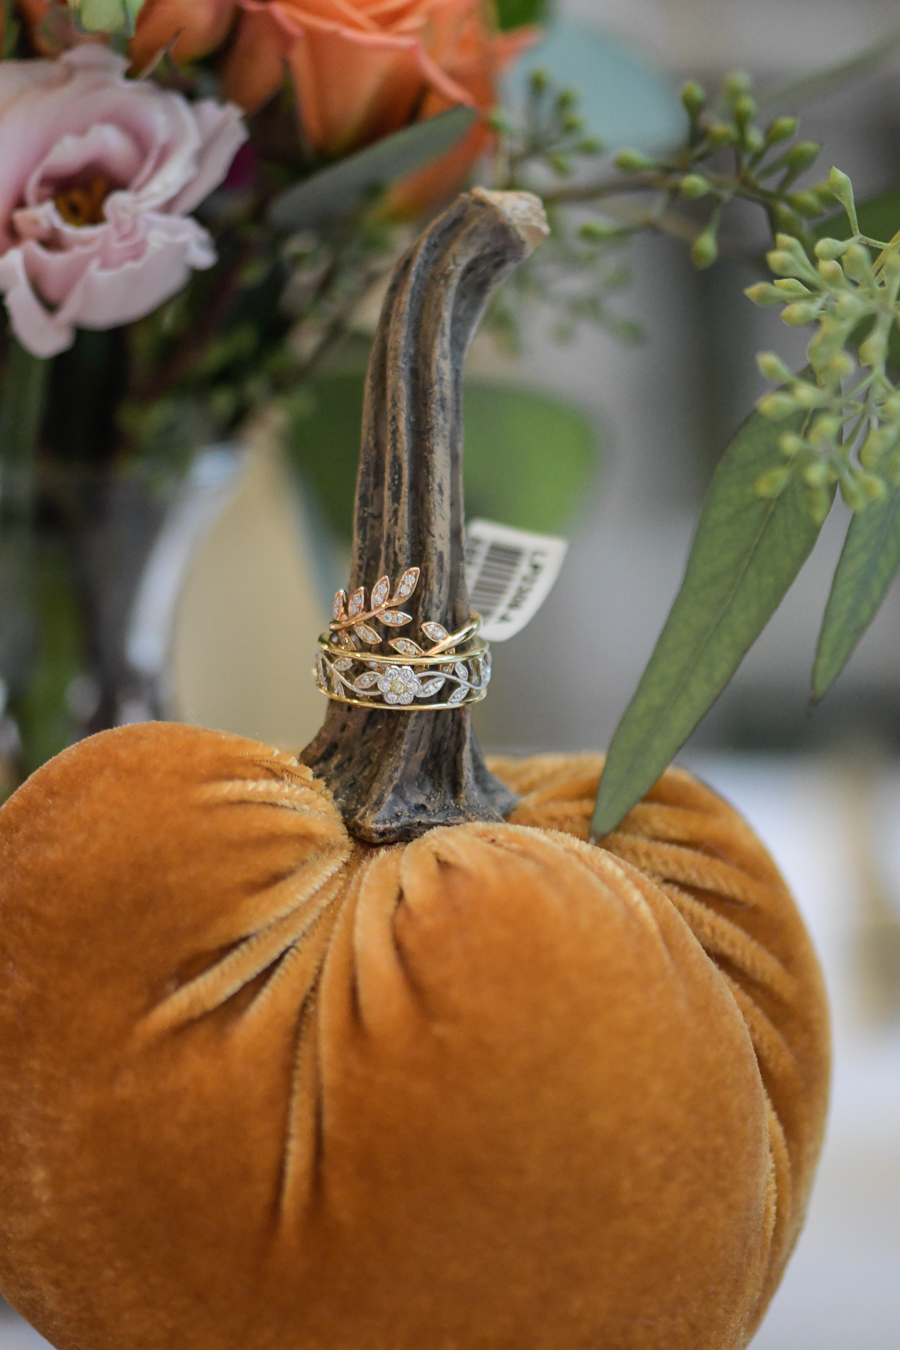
196	25
365	68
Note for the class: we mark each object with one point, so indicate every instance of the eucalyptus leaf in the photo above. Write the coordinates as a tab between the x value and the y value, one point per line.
529	457
746	552
869	559
879	218
334	191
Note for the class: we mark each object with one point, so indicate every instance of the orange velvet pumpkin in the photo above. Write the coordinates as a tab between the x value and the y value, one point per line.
269	1088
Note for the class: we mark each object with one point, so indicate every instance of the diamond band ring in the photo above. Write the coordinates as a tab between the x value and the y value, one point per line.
449	671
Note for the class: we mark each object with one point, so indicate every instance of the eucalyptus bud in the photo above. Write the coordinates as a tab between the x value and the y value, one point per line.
787	218
705	248
853	494
832	272
858	264
790	286
771	484
790	444
591	145
808	395
849	306
737	83
789	259
693	96
720	133
825	431
842	190
777	406
744	109
873	352
806	204
873	486
500	122
839	367
539	80
801	156
633	161
817	474
782	129
599	231
764	294
827	343
799	313
694	186
829	249
773	368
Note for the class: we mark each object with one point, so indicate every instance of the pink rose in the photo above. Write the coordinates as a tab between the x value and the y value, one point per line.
96	174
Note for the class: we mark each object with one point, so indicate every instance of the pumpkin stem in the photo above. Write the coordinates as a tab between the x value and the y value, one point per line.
396	774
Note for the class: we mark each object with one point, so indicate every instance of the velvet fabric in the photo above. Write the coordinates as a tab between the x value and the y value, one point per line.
266	1088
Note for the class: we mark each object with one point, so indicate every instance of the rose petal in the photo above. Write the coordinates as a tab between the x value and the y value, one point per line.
196	25
222	133
32	325
355	87
107	297
104	148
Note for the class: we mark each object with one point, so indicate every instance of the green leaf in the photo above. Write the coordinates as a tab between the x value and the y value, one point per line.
868	561
528	460
515	13
528	457
879	218
747	550
334	191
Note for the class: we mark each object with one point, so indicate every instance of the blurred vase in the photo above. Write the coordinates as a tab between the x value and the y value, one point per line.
89	587
193	596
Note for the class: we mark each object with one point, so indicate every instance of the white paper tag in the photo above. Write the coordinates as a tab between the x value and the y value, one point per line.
509	574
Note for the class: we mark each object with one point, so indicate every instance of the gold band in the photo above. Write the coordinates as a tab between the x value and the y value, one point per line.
457	665
404	683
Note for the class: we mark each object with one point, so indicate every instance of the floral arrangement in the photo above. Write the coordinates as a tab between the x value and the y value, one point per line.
197	197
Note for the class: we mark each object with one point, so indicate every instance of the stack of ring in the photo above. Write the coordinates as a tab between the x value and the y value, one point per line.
454	669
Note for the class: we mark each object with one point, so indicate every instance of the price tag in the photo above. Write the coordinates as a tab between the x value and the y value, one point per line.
509	574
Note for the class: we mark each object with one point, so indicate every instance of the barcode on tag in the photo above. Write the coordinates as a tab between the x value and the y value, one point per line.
509	574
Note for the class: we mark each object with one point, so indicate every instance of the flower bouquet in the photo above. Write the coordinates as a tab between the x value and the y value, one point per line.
197	197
